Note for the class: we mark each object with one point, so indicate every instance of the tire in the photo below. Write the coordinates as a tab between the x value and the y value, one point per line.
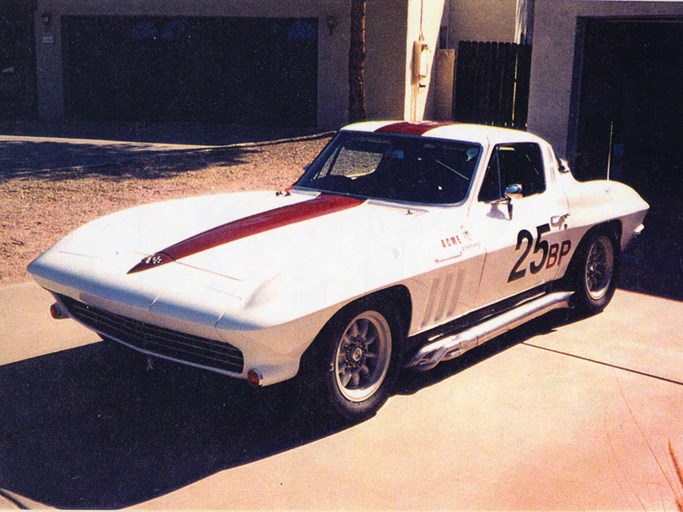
351	368
595	273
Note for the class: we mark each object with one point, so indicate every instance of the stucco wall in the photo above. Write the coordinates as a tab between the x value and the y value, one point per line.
386	26
552	66
424	17
392	28
332	48
481	20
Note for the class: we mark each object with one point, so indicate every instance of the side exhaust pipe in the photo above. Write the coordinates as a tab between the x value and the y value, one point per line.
445	347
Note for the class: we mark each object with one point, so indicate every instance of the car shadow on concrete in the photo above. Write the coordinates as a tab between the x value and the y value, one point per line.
89	428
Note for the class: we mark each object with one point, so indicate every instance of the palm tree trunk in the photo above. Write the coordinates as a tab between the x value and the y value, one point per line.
357	107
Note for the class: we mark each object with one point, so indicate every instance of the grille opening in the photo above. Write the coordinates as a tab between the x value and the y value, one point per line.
212	354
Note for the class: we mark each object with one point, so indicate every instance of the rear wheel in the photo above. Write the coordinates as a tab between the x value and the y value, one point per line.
595	273
352	366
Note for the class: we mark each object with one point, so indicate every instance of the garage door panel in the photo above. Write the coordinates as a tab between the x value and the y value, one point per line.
240	70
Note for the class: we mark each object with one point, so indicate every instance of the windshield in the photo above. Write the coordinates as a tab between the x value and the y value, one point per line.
394	168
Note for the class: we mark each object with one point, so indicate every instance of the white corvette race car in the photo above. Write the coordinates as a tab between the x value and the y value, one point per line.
402	245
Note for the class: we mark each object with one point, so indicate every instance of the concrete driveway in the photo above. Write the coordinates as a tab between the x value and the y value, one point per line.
555	415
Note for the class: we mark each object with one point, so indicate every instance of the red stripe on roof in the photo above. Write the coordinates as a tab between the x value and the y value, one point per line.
323	204
408	128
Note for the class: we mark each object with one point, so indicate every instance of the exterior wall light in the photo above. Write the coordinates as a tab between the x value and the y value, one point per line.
46	18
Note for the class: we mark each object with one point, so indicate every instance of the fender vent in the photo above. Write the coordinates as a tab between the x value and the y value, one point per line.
443	298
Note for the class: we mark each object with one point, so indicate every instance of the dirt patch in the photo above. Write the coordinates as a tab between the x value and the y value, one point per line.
39	209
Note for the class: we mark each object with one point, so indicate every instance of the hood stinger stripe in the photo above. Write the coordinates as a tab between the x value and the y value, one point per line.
323	204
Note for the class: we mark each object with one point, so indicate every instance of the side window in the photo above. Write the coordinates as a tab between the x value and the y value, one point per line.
513	164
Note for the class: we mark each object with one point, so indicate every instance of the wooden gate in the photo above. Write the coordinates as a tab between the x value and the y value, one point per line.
492	84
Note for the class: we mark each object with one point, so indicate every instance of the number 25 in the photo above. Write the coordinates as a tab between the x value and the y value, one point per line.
541	245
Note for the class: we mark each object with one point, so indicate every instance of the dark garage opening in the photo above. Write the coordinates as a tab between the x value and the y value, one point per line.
629	125
17	60
234	70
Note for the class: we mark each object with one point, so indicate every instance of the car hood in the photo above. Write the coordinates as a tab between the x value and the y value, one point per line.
141	231
260	250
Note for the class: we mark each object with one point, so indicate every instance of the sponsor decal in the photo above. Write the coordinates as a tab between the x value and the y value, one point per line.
457	244
324	204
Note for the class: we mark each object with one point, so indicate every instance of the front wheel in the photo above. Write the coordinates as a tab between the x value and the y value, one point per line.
596	273
354	362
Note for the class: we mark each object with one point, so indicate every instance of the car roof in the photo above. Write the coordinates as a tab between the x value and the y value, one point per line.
481	134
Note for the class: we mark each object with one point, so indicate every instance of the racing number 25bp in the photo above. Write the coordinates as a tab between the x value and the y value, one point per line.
551	255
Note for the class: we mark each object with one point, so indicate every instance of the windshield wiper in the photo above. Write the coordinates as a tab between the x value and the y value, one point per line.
452	170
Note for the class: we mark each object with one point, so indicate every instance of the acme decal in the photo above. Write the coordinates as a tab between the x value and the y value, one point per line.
461	239
458	244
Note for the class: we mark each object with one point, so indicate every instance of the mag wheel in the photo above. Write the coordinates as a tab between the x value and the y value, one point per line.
355	361
596	273
362	356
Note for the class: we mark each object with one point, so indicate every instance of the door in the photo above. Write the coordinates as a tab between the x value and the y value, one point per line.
525	237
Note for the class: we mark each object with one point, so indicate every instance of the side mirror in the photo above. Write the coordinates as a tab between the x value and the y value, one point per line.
514	191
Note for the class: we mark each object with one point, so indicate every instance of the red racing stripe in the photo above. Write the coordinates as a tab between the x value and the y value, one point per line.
408	128
323	204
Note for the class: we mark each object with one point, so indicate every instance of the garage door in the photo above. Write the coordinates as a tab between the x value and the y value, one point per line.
17	62
629	117
631	105
235	70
